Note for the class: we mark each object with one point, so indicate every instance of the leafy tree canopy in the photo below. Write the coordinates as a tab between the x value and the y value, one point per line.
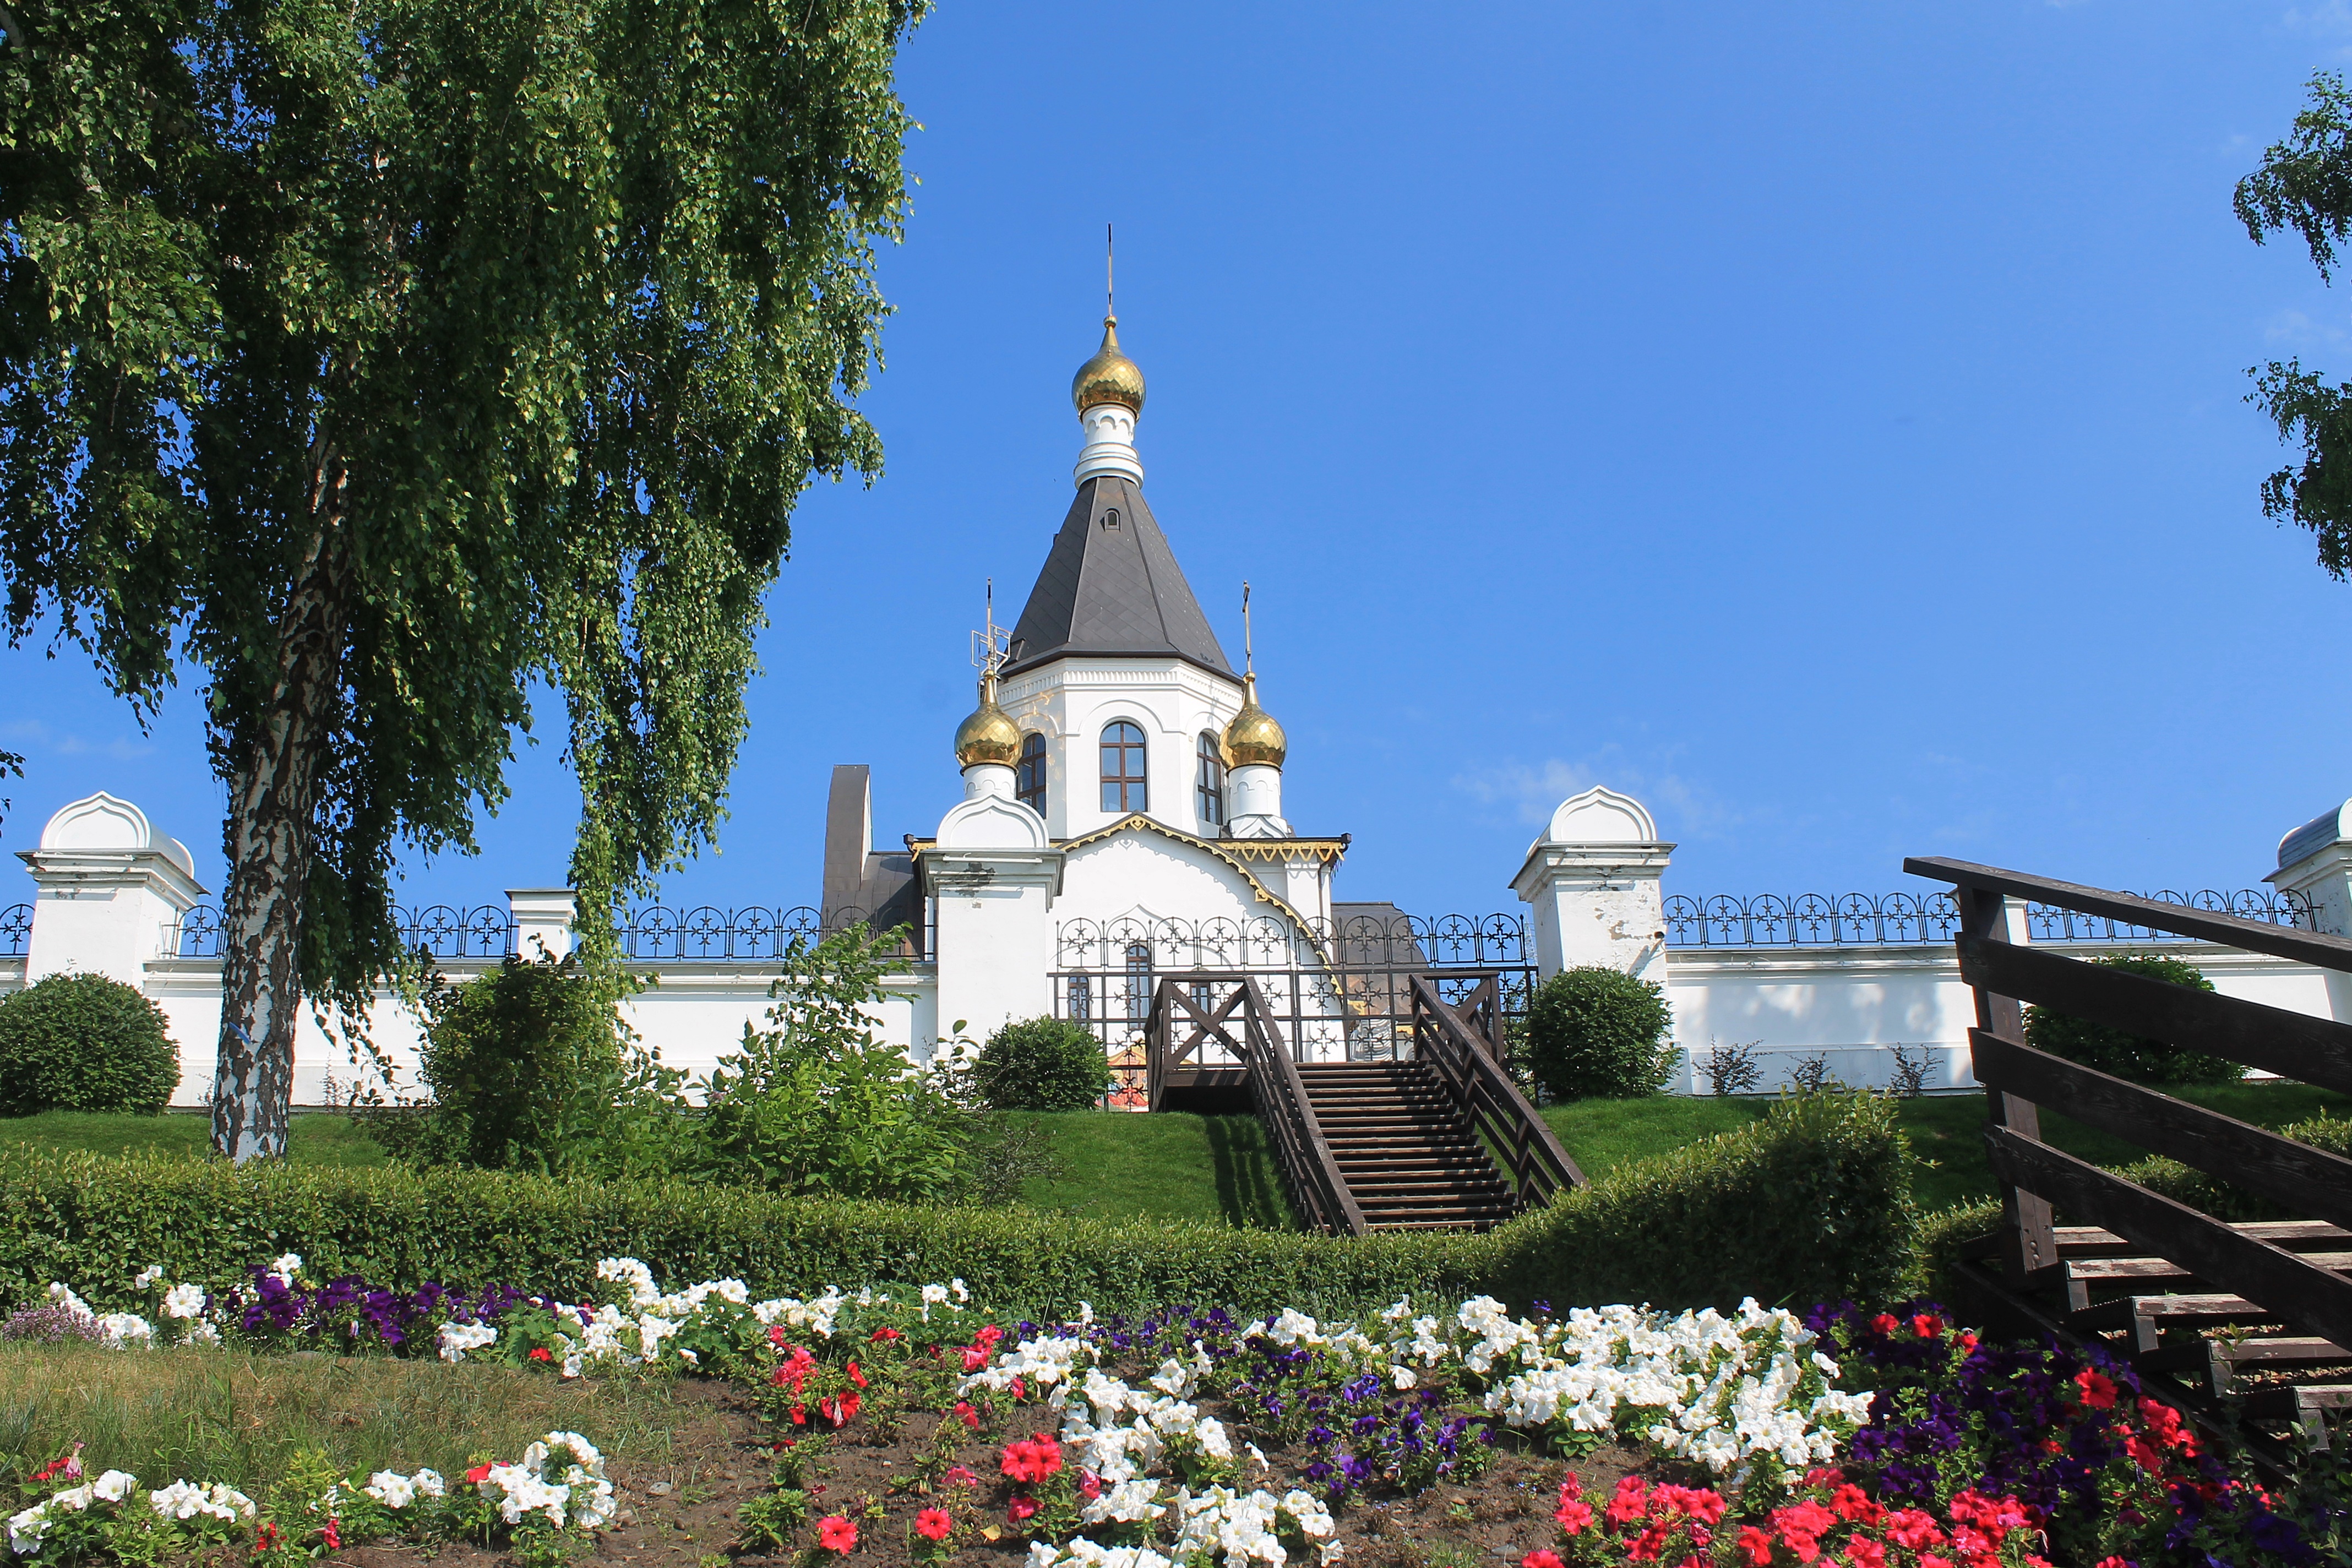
2304	184
383	358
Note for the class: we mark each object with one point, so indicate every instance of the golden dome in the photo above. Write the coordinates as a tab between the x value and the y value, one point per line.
1254	736
989	735
1110	377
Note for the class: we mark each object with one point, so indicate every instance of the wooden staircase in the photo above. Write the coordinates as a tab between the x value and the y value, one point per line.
1441	1141
1403	1147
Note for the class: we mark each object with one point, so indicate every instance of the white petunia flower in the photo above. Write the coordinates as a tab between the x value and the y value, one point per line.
146	1277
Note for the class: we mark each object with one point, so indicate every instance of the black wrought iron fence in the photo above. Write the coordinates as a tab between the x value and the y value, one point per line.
15	930
1862	920
655	932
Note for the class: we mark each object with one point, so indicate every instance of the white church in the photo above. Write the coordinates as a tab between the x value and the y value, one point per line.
1122	821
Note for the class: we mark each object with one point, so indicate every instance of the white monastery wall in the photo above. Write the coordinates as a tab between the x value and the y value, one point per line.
108	888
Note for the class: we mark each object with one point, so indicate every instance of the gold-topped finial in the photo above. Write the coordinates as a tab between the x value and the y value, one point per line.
1253	737
989	735
1110	376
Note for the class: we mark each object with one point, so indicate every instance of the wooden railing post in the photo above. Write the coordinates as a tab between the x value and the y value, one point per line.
2028	1242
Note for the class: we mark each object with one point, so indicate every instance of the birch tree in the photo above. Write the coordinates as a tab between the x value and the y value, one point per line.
382	363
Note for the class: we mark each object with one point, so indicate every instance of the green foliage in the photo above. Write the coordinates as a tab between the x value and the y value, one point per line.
816	1104
1042	1064
82	1042
2304	184
531	1070
1598	1032
567	301
1809	1203
1813	1204
2128	1055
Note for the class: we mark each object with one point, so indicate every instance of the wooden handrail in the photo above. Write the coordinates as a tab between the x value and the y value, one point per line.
2228	931
1539	1167
1302	1154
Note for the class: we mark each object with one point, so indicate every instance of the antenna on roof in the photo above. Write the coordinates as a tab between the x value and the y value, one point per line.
1249	659
988	646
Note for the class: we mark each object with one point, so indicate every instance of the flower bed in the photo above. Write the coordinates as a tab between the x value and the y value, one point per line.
902	1426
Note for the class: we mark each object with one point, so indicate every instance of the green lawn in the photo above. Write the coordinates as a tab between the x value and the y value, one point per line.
1217	1169
1118	1165
1946	1131
313	1140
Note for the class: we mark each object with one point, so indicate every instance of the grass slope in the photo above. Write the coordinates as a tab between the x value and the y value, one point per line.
312	1140
1218	1168
1169	1165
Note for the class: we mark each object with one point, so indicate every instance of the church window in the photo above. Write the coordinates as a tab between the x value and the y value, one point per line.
1082	998
1138	981
1122	768
1210	787
1029	779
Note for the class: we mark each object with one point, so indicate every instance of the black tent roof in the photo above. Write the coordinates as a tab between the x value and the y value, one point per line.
1111	585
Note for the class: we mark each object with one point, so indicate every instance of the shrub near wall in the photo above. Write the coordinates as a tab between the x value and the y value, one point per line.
1683	1231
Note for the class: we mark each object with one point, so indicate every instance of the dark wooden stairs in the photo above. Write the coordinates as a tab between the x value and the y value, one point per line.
1404	1149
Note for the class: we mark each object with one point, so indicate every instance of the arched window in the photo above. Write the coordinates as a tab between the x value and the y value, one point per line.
1209	785
1029	778
1122	768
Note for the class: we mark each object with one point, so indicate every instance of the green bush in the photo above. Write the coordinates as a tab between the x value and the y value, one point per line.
816	1104
82	1042
2112	1051
1042	1064
1597	1033
530	1070
1809	1203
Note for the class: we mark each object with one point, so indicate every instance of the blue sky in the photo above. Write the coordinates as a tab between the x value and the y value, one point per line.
1824	422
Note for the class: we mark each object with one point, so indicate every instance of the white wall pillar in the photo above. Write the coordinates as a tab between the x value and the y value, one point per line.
2316	861
994	875
1592	880
543	921
111	892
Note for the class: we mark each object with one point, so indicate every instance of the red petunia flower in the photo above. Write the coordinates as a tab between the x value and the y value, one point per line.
1022	1507
2098	1389
1926	1325
1854	1506
479	1474
1090	1485
961	1476
967	1415
1755	1546
1574	1515
835	1533
332	1535
541	1353
1913	1529
1885	1323
880	1336
1860	1552
1030	1460
933	1524
857	1376
1539	1558
1631	1501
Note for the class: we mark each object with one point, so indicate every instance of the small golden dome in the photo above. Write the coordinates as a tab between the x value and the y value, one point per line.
989	735
1110	377
1254	736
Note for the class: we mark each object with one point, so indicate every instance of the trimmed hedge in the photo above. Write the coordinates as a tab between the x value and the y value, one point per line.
1681	1231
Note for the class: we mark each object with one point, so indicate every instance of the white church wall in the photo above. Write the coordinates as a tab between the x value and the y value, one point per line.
1853	1005
691	1014
1141	875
